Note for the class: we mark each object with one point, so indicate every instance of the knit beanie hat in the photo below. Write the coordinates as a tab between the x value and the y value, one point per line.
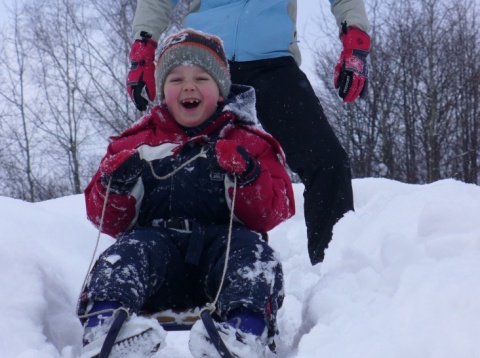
190	47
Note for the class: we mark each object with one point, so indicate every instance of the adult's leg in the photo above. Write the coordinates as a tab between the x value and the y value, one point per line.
288	109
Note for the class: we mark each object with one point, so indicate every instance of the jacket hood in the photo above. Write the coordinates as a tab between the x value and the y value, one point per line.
241	101
239	110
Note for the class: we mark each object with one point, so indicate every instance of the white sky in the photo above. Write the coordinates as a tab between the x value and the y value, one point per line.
309	13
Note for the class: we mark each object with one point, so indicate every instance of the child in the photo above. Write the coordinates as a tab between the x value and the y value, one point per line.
171	180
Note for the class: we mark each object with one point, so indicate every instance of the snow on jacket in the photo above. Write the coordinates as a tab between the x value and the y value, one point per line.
250	29
200	191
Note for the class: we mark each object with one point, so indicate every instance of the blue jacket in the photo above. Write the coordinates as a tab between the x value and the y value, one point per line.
250	29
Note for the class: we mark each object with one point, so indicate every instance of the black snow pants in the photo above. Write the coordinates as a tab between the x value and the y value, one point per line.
288	109
157	268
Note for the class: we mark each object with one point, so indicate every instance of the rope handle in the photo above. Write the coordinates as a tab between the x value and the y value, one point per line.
100	227
212	305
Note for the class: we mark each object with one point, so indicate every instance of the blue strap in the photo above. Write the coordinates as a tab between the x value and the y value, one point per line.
112	334
214	335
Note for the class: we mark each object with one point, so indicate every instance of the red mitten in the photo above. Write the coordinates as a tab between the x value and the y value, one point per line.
351	71
142	71
235	160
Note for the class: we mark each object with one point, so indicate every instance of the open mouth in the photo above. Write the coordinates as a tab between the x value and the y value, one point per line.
190	103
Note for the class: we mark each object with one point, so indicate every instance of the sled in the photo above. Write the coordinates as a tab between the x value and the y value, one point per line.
170	320
175	320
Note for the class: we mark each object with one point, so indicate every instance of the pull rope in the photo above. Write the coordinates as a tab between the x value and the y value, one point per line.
211	307
100	227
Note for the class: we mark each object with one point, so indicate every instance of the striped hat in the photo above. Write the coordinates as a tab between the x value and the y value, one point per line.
190	47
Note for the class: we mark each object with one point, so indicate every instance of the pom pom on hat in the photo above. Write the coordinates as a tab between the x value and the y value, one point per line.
190	47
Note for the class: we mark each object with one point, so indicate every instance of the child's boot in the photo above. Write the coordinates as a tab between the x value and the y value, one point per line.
244	334
138	337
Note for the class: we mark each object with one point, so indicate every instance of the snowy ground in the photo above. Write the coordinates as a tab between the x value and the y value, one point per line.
400	278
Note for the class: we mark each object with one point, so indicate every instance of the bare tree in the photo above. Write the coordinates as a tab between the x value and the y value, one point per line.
17	132
412	127
61	79
464	48
106	40
77	56
63	71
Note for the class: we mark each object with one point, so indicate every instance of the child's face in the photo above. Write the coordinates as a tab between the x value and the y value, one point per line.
191	95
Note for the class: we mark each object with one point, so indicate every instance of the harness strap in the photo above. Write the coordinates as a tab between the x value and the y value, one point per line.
119	320
195	245
214	335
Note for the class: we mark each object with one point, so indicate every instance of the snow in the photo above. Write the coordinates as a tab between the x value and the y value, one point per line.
400	277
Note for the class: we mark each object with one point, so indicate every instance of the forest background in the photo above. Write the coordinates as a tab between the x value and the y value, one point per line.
63	67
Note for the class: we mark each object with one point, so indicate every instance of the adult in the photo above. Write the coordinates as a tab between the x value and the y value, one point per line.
261	45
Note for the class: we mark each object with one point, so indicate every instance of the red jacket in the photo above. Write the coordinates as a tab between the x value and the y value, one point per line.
197	192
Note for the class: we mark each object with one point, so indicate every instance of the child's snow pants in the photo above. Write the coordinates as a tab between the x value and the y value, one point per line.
159	268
